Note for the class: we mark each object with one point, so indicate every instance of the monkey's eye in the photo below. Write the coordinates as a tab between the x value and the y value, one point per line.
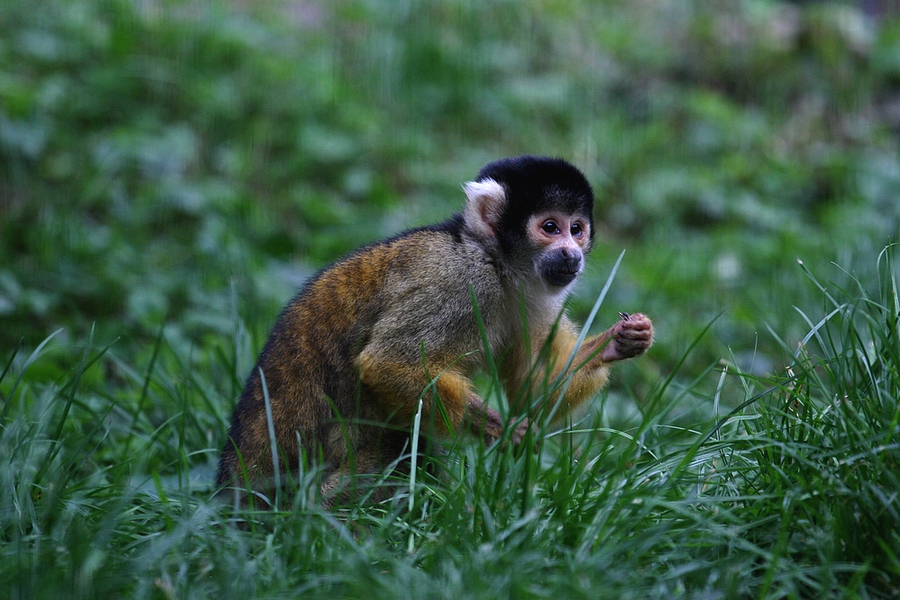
577	230
550	227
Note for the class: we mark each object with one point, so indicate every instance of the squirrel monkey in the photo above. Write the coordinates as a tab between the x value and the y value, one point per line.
352	354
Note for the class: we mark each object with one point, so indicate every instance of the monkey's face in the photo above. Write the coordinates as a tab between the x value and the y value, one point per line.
559	242
536	213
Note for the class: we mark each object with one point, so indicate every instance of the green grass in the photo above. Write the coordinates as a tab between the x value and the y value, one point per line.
171	171
794	493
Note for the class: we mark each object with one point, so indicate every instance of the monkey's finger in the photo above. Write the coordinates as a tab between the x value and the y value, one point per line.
636	321
644	333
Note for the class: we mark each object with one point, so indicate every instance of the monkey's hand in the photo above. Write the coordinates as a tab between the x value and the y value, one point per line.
518	434
486	422
628	338
483	420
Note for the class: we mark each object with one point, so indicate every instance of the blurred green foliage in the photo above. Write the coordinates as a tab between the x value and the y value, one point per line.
179	164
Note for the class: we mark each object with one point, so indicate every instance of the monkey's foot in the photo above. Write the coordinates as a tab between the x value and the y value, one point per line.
630	337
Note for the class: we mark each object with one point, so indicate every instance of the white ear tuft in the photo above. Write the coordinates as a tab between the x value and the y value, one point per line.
486	200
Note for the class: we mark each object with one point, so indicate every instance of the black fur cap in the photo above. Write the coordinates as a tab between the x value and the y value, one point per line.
535	184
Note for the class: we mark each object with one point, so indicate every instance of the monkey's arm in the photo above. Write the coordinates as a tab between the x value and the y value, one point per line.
626	339
590	367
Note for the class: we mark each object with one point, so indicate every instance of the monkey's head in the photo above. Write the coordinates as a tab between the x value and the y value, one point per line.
537	212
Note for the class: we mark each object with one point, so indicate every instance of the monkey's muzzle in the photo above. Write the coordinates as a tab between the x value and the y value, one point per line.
561	271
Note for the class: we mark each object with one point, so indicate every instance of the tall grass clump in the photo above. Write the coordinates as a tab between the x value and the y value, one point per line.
807	471
824	454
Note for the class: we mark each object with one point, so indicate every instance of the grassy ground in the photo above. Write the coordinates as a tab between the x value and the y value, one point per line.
171	171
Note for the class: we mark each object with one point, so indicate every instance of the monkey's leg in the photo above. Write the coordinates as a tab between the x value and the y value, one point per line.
354	478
